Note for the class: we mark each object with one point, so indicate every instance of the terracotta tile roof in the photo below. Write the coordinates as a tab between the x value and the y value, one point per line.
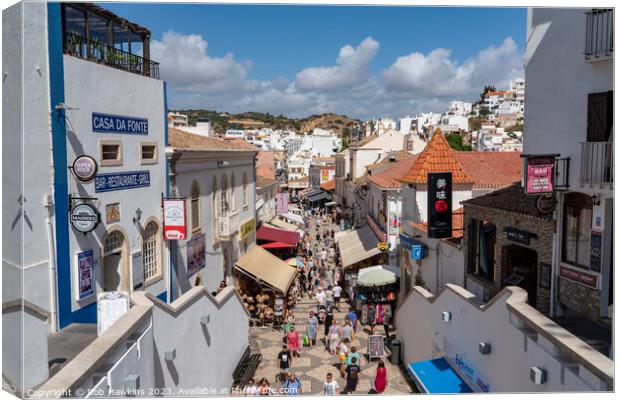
490	169
181	140
511	199
303	179
498	93
457	224
265	168
366	140
324	159
329	185
437	156
397	155
387	179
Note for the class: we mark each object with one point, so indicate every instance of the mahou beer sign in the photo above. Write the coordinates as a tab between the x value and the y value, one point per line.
439	205
174	219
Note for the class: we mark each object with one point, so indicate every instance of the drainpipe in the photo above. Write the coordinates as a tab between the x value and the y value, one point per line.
51	250
555	260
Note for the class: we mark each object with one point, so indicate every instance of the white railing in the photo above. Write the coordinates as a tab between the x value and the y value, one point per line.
228	225
599	34
597	163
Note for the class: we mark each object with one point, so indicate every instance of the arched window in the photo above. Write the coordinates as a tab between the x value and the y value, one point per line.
224	207
577	227
214	206
195	207
244	191
150	251
233	188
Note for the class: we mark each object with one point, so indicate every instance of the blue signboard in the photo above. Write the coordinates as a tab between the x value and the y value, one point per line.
121	181
418	251
108	123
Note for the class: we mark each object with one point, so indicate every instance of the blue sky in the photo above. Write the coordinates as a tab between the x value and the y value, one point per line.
285	59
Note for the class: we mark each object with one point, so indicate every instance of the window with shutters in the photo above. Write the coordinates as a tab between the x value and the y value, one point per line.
150	252
600	116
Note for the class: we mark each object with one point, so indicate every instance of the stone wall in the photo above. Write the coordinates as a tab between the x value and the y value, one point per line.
580	298
542	244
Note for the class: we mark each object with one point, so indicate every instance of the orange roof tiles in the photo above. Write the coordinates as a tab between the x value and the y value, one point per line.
397	155
437	156
387	178
498	93
492	170
265	168
329	185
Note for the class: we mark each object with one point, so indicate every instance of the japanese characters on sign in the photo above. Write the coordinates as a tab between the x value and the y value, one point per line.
86	274
174	219
439	205
539	175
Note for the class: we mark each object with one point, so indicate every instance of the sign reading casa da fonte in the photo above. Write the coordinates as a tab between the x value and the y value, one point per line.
439	205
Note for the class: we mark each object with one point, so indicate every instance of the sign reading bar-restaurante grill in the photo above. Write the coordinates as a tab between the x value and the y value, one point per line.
121	181
439	205
539	175
108	123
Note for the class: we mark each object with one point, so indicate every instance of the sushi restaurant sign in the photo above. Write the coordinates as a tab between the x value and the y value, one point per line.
108	123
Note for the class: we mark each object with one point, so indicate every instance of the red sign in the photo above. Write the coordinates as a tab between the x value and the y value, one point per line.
579	276
174	219
539	176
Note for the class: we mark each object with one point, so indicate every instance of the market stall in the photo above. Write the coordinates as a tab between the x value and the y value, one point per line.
267	285
377	287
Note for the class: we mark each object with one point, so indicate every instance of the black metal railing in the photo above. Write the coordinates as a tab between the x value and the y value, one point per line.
562	167
599	33
78	46
597	163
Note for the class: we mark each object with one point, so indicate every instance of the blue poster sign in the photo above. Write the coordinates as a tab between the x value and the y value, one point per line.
108	123
418	251
86	274
121	181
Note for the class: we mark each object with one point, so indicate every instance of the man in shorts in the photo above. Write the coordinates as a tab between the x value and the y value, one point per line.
284	361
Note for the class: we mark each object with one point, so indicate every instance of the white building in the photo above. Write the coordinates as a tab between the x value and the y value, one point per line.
324	143
405	125
572	86
518	87
176	120
217	179
202	128
459	108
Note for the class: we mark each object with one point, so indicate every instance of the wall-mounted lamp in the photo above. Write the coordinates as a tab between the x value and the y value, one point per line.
222	164
538	375
446	316
170	355
138	216
484	348
596	200
204	320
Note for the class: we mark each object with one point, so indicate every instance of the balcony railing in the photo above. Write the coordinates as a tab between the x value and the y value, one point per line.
597	163
78	46
599	34
227	226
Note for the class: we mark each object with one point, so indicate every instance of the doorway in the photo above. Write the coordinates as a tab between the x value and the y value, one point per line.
114	263
522	270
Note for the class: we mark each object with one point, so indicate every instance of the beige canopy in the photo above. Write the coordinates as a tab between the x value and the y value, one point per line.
357	246
267	268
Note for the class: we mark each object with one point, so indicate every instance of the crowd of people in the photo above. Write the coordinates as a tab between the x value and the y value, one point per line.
323	281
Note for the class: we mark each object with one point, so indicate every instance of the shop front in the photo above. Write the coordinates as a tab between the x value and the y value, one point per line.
376	288
509	242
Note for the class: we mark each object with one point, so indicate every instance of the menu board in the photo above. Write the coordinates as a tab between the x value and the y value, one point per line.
110	307
596	244
375	346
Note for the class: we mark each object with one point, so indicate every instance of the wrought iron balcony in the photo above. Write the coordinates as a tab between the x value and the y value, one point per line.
227	226
599	34
597	163
92	50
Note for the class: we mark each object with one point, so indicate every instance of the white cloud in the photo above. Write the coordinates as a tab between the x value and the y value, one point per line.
436	74
185	64
351	69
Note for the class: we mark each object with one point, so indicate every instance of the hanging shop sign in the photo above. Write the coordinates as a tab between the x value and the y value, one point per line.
247	228
109	123
112	213
545	203
383	246
418	251
596	245
519	236
539	175
439	205
196	254
122	181
174	219
282	202
137	270
584	278
84	217
86	274
84	168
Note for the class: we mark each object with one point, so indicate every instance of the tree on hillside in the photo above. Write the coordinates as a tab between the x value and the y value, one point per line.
487	88
456	142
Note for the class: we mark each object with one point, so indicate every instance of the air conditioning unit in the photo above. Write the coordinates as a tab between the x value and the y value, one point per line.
538	375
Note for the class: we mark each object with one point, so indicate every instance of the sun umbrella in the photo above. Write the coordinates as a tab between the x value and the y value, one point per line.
295	262
379	277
